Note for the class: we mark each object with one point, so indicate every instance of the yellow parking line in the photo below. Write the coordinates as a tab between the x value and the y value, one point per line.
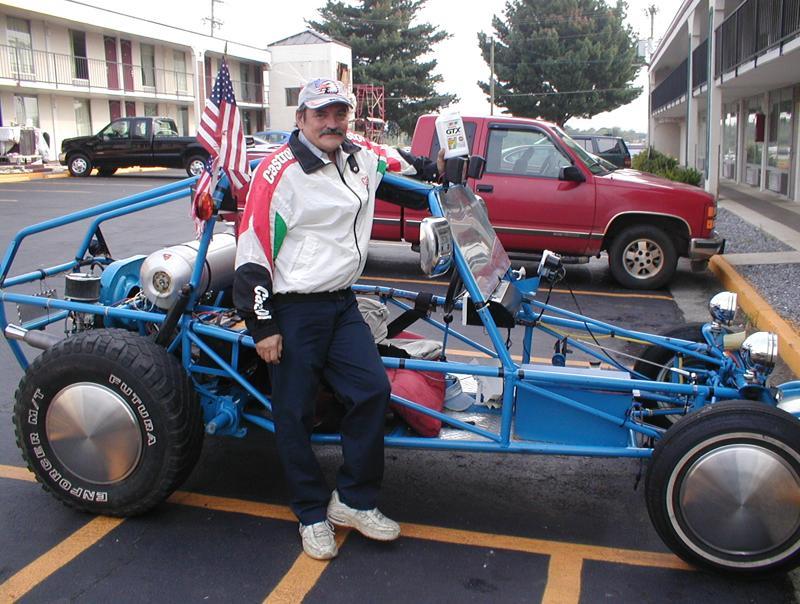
238	506
17	473
545	548
577	292
302	576
57	557
563	580
460	352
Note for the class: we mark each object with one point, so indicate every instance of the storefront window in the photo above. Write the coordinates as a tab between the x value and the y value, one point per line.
779	141
730	122
753	148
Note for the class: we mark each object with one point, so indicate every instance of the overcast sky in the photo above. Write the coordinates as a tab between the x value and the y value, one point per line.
261	22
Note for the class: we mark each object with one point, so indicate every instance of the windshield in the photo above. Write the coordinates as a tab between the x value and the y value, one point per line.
594	163
473	233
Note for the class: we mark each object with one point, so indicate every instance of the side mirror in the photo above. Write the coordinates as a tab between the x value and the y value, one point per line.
571	174
477	166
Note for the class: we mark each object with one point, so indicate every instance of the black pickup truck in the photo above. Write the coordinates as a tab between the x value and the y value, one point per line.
133	141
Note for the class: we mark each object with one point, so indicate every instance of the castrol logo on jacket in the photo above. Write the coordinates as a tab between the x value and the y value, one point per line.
274	167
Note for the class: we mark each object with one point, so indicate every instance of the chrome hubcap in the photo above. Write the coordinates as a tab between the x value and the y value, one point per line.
94	433
79	165
196	167
643	258
740	499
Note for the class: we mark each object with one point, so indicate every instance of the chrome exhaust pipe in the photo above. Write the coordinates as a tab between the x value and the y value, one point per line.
35	338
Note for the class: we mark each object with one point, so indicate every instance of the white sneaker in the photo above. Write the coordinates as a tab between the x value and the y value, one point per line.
318	540
370	523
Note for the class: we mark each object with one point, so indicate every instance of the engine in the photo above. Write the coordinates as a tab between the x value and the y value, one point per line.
167	270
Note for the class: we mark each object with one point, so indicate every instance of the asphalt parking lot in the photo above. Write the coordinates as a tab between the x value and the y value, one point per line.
476	527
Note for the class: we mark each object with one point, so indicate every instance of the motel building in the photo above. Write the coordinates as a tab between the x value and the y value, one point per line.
725	94
68	69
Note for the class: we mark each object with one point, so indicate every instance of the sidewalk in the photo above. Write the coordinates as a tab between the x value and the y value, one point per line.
53	170
762	262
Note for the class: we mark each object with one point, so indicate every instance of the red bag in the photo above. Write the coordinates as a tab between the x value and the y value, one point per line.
422	387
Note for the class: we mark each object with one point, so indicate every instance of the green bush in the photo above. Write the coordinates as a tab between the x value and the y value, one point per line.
664	165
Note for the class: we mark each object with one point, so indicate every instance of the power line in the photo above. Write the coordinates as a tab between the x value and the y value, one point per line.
520	94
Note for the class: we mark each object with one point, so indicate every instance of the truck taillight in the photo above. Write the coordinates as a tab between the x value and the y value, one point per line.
627	162
711	217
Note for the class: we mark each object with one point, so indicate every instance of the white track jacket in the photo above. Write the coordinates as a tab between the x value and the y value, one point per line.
307	223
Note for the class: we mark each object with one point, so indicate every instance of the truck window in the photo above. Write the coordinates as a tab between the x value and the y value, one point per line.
523	153
608	145
117	130
164	128
140	128
469	127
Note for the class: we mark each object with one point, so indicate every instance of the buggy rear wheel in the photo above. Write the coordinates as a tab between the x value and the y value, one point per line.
108	422
723	487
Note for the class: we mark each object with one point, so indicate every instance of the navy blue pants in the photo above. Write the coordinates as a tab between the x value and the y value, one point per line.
324	335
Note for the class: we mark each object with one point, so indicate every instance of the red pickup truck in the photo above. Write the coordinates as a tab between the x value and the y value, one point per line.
544	191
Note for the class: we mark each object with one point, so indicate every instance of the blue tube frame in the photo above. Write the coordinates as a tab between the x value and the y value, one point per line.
193	334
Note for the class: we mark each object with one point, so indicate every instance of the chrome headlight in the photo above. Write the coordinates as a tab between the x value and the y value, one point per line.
723	307
435	246
760	350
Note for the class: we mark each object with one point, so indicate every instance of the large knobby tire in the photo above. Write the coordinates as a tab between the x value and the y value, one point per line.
642	257
655	361
106	171
195	165
108	422
79	165
723	487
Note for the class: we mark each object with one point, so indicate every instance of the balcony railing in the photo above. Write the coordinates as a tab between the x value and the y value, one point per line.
247	92
755	27
673	87
36	66
700	65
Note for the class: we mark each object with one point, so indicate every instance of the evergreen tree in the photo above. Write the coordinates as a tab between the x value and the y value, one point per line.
388	52
558	59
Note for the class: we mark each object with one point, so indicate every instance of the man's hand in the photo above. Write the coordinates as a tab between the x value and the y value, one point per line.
440	163
270	348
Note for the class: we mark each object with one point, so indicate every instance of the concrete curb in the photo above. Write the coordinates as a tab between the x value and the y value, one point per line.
12	178
760	312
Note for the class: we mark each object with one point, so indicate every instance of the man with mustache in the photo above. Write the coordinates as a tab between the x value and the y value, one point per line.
302	244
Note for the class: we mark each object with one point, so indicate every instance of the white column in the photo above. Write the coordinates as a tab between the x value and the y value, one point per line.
741	125
795	180
198	55
765	110
692	105
714	117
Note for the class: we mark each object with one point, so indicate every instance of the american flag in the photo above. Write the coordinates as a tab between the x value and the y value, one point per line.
220	133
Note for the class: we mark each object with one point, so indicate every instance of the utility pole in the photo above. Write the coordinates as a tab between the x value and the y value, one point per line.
491	80
651	10
212	22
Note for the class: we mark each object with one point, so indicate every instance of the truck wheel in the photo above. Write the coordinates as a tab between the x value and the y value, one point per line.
195	165
108	422
654	363
723	485
79	165
642	257
104	171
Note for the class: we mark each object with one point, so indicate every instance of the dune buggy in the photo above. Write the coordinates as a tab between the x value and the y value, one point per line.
111	416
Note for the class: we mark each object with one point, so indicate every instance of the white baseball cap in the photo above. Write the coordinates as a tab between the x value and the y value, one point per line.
321	93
